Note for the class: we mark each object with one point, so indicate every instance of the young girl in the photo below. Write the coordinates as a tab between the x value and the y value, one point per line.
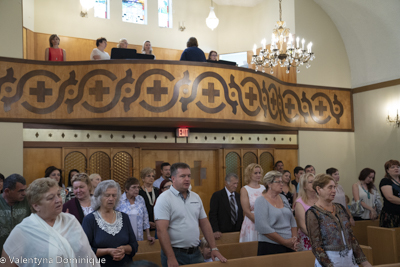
205	250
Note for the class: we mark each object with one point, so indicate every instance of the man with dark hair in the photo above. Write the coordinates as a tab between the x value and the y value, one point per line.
309	168
226	214
279	166
178	214
165	174
298	171
193	52
14	206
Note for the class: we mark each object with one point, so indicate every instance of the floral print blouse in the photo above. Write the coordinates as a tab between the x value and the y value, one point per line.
138	208
325	232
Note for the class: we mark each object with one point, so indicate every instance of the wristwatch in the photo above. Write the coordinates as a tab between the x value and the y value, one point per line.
214	248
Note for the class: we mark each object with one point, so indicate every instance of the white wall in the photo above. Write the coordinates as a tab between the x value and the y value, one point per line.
11	147
330	149
11	28
331	65
376	140
48	19
29	14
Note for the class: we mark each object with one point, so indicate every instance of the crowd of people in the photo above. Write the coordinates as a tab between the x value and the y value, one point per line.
94	222
191	53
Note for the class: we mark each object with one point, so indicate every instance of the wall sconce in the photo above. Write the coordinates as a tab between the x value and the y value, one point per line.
86	5
182	26
395	119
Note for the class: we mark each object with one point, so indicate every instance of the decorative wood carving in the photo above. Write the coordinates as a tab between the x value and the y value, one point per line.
37	91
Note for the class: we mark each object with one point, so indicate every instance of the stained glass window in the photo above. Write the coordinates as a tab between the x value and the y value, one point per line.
165	13
102	9
134	11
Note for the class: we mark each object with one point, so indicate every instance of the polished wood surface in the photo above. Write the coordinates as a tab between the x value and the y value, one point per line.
385	243
208	167
135	91
36	161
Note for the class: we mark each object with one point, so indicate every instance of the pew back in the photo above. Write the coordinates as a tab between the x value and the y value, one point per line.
228	238
298	259
144	246
385	243
360	230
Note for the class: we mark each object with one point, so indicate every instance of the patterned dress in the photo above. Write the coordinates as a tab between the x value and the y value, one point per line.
137	213
248	232
304	241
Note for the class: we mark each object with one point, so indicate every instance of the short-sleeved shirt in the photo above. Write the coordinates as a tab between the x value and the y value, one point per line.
388	206
98	52
183	216
10	216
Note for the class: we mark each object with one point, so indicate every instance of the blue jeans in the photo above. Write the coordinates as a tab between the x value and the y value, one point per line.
183	258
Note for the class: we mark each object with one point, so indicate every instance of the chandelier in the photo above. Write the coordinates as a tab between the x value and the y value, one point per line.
212	21
294	56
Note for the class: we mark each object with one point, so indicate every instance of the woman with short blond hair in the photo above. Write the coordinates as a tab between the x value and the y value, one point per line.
274	221
248	195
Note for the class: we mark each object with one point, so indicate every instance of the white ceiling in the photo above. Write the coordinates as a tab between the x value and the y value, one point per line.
370	30
371	34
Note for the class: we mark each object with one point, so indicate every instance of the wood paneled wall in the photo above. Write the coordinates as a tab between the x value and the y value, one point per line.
36	160
78	49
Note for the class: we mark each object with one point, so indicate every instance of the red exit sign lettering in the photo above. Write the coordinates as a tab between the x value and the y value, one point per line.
182	132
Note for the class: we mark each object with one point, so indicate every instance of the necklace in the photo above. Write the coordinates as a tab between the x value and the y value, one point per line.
395	181
333	208
367	192
151	198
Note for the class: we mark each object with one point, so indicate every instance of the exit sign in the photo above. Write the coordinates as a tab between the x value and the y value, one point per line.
182	132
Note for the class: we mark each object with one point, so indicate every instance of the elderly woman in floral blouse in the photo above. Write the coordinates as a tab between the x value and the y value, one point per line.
133	205
328	227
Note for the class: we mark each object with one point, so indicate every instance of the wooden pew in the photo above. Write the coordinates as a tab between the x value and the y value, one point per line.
389	265
385	243
144	246
368	253
298	259
360	230
230	251
228	238
154	256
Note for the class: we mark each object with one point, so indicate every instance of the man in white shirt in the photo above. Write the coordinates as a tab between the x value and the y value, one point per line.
165	174
178	213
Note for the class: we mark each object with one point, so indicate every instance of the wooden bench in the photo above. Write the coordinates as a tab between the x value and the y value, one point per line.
144	246
228	238
247	250
385	244
230	251
298	259
389	265
360	230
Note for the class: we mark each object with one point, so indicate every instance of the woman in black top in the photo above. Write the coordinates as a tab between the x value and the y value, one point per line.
288	189
390	190
149	192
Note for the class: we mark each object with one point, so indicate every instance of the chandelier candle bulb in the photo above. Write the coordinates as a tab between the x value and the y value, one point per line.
297	42
302	43
254	49
263	43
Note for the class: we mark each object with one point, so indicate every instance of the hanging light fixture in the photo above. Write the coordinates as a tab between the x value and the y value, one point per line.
86	5
294	56
212	21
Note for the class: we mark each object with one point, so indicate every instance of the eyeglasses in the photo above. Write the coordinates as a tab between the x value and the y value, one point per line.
278	182
166	187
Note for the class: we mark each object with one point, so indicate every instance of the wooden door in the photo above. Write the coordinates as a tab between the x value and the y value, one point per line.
204	168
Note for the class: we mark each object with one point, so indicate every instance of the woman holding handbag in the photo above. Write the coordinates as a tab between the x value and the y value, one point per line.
366	191
390	190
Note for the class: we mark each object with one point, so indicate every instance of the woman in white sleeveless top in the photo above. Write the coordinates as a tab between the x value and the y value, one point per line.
365	189
248	195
